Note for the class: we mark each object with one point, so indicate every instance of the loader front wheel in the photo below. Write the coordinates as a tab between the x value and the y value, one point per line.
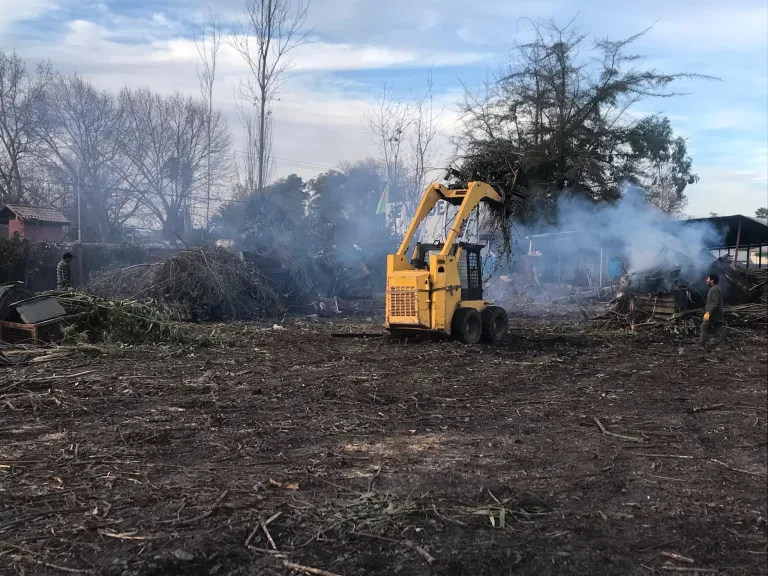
467	326
495	324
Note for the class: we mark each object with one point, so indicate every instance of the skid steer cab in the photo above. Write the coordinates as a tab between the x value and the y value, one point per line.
440	289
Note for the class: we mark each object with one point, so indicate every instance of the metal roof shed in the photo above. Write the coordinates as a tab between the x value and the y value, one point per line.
744	238
33	223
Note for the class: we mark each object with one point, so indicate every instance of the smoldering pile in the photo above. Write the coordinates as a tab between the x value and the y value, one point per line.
206	284
666	296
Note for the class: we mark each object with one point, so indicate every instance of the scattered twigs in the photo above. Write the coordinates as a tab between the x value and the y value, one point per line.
43	563
124	536
696	410
268	535
613	434
678	557
600	472
337	486
407	543
307	569
689	569
262	525
677	456
375	477
272	518
760	474
421	551
684	314
199	517
62	568
356	335
273	553
252	535
53	356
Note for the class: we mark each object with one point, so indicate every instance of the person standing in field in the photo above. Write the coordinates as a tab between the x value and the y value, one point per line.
64	272
713	310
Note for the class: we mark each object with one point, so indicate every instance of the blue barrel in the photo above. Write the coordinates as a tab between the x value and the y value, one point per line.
614	268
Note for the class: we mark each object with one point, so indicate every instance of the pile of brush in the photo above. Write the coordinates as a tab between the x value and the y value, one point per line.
205	284
752	316
94	319
747	315
131	283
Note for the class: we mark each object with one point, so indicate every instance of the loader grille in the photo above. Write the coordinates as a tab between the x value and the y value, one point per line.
402	302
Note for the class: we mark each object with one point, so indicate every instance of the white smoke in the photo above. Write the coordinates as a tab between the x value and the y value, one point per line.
648	237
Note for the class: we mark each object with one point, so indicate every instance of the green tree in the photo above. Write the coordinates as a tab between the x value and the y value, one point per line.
660	163
342	214
273	219
761	213
556	121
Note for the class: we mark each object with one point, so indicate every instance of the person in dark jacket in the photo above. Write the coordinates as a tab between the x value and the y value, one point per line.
713	311
64	272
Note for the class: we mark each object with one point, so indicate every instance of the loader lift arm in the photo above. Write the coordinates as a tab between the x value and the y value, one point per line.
466	199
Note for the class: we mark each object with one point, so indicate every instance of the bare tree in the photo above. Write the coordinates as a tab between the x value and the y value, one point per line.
208	50
406	134
167	148
425	132
272	29
251	152
21	98
84	128
389	123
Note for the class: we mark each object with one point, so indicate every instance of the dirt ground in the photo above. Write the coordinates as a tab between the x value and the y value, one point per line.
562	451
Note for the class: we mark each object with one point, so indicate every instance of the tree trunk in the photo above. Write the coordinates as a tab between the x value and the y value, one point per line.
208	191
17	189
262	138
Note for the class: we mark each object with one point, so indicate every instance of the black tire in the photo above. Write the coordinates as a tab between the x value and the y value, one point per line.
495	324
467	326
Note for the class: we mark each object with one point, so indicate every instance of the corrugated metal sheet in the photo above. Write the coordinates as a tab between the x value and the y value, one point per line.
39	214
40	310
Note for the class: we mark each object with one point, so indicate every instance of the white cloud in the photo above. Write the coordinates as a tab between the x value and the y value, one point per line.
93	45
318	119
160	19
329	57
724	26
13	11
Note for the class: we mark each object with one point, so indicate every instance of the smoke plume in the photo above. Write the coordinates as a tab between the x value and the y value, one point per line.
645	237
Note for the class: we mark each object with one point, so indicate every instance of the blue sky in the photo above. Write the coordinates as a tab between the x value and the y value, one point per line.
361	43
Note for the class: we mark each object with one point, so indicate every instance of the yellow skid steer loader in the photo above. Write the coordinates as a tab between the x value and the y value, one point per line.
441	289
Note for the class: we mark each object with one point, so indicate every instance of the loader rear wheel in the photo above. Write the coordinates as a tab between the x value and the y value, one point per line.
467	326
495	324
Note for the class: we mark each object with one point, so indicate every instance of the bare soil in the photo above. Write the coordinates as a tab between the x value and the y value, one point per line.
562	451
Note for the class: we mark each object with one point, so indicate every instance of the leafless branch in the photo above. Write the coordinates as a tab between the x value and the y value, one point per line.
208	51
265	38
